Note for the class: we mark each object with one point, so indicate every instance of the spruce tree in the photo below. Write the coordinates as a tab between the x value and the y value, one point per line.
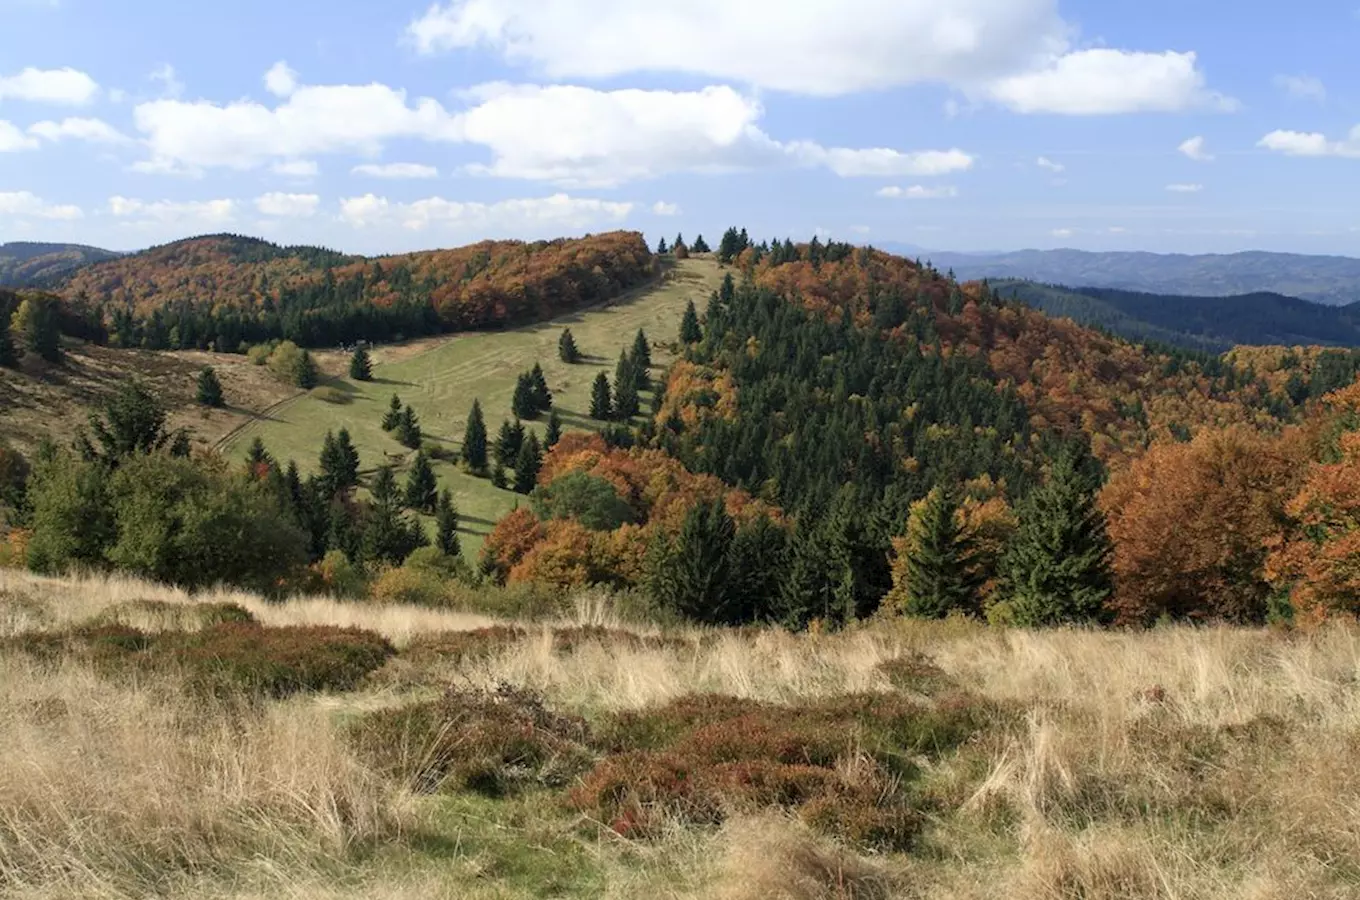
408	429
446	525
758	557
690	332
388	535
543	398
689	574
626	402
642	350
1056	569
699	245
566	348
524	404
422	488
349	456
392	417
553	432
527	465
601	399
360	366
209	388
258	460
498	477
661	246
939	560
727	292
9	353
508	442
474	440
306	374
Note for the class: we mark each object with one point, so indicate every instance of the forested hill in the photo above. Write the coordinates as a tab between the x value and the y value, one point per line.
27	264
1215	324
1333	280
227	290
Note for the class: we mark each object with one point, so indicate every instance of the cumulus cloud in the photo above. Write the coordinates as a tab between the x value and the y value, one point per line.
1103	81
1302	87
66	86
557	212
1185	188
22	204
291	206
280	80
183	214
1195	149
918	192
13	140
1312	143
396	170
94	131
881	162
662	208
295	168
1044	162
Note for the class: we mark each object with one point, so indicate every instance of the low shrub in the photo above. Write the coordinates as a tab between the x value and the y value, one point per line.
568	640
409	586
458	646
490	742
276	662
160	615
333	395
917	673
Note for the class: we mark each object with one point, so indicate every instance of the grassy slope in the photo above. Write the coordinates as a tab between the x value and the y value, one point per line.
440	378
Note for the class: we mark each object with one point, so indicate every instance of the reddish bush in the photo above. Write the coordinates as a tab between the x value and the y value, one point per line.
275	662
457	646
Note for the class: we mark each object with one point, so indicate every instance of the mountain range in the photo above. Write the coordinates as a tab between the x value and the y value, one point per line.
27	264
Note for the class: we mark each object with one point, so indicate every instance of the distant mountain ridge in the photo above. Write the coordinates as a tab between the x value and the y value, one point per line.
1333	280
31	264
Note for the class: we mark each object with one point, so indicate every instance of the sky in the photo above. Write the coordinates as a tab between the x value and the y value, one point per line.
376	127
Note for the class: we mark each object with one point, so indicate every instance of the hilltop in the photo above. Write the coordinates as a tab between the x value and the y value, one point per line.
28	264
1334	280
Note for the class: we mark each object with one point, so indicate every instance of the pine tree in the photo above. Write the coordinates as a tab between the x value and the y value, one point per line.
388	536
421	486
626	402
939	560
474	440
446	525
527	465
508	442
1056	568
523	405
699	245
258	460
360	366
553	432
9	353
498	478
209	388
729	246
543	398
727	292
349	456
661	246
331	466
306	374
642	350
601	399
408	429
689	574
392	418
758	557
690	333
566	348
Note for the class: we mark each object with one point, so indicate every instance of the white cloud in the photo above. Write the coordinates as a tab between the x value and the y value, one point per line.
918	192
662	208
65	86
295	168
1061	232
396	170
1103	81
1185	188
881	162
95	131
23	204
280	80
13	140
182	214
1044	162
1299	143
554	213
171	86
1194	148
292	206
1302	87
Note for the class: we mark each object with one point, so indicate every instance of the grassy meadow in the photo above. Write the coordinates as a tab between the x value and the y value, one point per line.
480	758
441	377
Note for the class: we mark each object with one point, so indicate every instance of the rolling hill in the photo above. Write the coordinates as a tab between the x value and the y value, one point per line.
1214	324
1334	280
27	264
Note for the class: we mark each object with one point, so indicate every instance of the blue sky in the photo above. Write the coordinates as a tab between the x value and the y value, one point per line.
1190	126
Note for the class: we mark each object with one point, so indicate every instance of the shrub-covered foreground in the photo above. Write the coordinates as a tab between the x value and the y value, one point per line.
395	751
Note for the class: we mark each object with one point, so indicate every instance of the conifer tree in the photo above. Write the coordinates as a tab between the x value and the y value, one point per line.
527	465
626	402
939	560
446	525
553	432
35	324
727	291
360	366
209	388
690	333
524	404
9	353
392	418
758	557
508	442
543	398
1056	568
642	350
258	460
498	477
567	350
388	535
699	245
474	440
689	574
408	429
422	488
306	374
349	454
661	246
601	399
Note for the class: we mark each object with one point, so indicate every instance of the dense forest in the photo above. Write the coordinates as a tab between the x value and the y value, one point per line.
227	291
29	264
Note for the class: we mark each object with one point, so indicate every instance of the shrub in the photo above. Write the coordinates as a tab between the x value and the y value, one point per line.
160	615
333	395
489	742
916	673
410	586
275	662
337	576
569	640
457	646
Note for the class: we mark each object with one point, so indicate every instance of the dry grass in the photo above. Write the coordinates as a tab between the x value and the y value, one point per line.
1175	764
